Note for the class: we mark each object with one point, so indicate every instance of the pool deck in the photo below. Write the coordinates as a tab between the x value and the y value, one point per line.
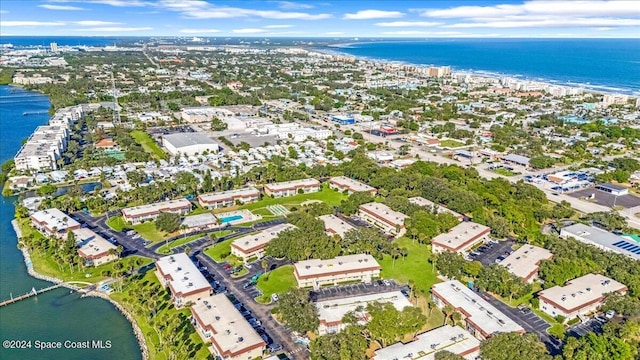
247	216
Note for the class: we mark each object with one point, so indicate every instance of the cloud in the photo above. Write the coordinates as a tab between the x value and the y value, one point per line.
60	7
540	7
248	31
288	5
372	14
197	9
408	24
115	29
95	23
199	31
4	11
548	22
31	23
278	26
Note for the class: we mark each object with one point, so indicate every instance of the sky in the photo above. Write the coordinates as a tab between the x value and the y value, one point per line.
320	18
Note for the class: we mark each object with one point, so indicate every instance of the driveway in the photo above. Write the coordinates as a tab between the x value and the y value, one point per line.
591	325
489	256
358	289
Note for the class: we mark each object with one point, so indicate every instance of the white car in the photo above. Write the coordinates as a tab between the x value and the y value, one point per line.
610	314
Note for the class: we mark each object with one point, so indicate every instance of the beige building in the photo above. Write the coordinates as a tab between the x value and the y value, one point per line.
53	222
579	296
186	283
524	262
384	217
229	198
315	272
290	188
333	225
342	183
449	338
93	248
218	322
252	246
428	204
461	238
138	214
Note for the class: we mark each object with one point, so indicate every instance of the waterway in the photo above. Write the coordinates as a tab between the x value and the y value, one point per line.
58	315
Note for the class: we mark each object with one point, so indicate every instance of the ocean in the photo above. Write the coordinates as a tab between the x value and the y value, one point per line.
57	315
608	65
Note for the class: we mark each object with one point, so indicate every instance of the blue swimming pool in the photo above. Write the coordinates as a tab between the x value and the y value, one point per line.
231	218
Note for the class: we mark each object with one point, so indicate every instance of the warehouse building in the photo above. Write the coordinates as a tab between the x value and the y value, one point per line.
189	144
602	239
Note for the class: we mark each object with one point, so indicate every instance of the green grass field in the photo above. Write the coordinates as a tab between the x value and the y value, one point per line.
166	249
414	267
117	223
149	232
326	195
148	144
503	171
275	282
448	143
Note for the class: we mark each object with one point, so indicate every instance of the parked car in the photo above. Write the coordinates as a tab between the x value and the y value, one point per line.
610	314
274	347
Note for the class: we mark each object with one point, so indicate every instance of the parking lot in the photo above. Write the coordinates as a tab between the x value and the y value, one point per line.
488	253
335	292
607	199
591	325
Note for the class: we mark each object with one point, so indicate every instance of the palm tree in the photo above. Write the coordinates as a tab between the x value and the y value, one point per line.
265	266
448	311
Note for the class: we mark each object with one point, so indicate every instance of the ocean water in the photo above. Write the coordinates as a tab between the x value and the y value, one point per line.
611	65
56	315
44	41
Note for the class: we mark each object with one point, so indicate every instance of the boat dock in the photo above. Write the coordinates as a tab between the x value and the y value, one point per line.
31	293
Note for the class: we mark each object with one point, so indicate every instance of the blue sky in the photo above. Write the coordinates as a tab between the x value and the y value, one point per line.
320	18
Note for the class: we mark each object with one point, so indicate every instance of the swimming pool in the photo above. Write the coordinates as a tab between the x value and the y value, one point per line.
231	218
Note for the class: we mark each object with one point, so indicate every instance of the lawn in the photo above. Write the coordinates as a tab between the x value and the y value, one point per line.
448	143
275	282
220	251
414	267
326	195
117	223
165	249
505	172
148	231
148	144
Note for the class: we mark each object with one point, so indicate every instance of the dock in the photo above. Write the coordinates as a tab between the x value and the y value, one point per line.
31	293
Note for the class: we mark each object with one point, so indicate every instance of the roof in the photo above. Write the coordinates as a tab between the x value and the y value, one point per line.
384	213
54	218
461	236
203	219
420	201
157	207
341	264
292	184
335	225
332	311
519	159
231	333
180	140
611	187
351	184
601	238
581	292
94	247
229	194
257	241
183	275
450	338
476	309
524	262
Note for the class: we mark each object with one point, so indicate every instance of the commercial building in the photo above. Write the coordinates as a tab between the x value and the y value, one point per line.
200	222
93	248
138	214
229	198
481	319
342	183
53	222
252	246
343	120
430	205
524	262
315	272
579	296
383	217
612	189
602	239
333	225
290	188
331	312
461	238
218	322
189	144
516	159
449	338
185	282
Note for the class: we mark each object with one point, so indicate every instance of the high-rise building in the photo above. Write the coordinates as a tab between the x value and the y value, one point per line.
54	47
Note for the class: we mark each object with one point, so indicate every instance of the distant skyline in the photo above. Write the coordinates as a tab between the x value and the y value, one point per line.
337	18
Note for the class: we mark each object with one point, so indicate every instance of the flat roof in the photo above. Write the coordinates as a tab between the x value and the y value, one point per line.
420	201
157	207
203	219
229	194
184	277
332	311
180	140
611	186
581	292
292	184
595	236
95	247
477	310
523	160
54	218
450	338
523	262
384	213
341	264
253	242
351	184
231	333
461	235
335	225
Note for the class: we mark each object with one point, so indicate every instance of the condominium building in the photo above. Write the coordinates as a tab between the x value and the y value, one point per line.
333	225
218	322
252	246
315	272
525	261
449	338
430	205
185	282
384	217
579	296
43	149
481	318
343	183
460	238
229	198
138	214
331	312
93	248
53	222
290	188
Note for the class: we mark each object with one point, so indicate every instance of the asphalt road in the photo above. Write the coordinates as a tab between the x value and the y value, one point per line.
489	256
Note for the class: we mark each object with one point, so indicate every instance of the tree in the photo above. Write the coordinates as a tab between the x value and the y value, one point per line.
218	125
298	311
348	344
446	355
47	189
168	222
513	346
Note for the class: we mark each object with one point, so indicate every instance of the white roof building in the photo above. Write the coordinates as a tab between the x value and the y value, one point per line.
290	188
422	202
461	238
383	217
142	213
183	278
251	246
229	197
343	183
189	143
333	225
602	239
93	248
524	262
316	272
53	222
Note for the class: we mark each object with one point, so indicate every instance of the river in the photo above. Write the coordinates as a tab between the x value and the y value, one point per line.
58	315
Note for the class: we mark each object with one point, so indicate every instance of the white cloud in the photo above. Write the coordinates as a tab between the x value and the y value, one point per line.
115	29
408	24
60	7
372	14
31	23
248	31
334	33
95	23
197	9
288	5
549	22
278	26
199	31
4	11
541	7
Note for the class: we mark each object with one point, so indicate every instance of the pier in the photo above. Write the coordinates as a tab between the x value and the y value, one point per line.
31	293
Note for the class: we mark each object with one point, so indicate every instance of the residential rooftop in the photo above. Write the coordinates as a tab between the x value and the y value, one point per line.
332	311
335	225
581	292
384	213
229	195
420	201
183	275
293	184
351	184
170	205
524	262
249	243
341	264
460	236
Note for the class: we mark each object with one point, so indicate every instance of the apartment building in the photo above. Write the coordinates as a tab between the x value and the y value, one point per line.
42	149
343	183
182	277
290	188
315	272
525	261
252	246
460	238
229	198
449	338
383	217
333	225
53	222
138	214
430	205
93	248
